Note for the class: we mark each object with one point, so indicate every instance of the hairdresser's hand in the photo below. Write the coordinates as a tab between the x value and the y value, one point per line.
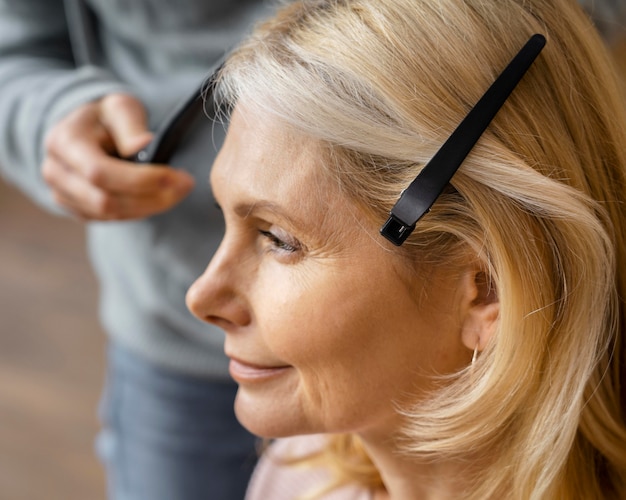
86	175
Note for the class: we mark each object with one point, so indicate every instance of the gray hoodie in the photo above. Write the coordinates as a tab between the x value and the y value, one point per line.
158	50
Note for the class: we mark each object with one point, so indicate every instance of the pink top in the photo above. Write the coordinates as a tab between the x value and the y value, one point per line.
274	480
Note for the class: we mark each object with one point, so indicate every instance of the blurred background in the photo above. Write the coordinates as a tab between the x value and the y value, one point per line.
51	356
52	353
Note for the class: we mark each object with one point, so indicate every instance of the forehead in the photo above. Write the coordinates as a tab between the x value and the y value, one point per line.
264	160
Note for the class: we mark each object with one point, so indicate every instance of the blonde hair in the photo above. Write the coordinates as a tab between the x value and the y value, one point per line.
540	201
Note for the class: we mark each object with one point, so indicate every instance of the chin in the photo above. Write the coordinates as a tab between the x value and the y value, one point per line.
270	419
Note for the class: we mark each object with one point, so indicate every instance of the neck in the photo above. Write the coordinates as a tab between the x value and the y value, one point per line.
407	478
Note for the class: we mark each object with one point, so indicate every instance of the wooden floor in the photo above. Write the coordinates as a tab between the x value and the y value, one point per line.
51	357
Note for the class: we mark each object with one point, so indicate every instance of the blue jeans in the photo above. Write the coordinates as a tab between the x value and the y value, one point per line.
168	436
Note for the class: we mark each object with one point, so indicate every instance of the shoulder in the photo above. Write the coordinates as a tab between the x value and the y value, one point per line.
276	478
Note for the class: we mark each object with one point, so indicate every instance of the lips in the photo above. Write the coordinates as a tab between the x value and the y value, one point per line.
243	372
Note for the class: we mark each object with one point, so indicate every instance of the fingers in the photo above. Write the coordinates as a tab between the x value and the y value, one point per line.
89	182
112	174
125	119
90	202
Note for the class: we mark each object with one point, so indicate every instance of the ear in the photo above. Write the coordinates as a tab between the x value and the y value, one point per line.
481	309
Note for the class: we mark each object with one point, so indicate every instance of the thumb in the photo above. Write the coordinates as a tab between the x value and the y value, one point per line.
125	119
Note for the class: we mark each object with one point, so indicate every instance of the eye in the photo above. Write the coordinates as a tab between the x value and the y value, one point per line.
281	243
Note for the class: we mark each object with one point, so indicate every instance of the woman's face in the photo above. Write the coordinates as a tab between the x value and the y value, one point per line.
323	333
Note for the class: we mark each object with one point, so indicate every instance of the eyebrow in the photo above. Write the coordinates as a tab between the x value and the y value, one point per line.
247	209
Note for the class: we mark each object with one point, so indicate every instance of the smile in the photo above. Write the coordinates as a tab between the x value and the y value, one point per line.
244	372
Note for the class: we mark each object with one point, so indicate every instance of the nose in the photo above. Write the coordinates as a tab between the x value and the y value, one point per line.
216	296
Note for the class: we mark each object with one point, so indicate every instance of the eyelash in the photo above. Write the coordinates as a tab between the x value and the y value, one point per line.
280	245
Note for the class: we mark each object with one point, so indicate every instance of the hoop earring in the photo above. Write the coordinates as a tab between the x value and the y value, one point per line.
475	355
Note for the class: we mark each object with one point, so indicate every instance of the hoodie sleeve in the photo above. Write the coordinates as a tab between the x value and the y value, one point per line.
39	84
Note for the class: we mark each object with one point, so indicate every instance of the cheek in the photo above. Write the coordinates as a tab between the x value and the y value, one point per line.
360	336
301	327
302	316
327	321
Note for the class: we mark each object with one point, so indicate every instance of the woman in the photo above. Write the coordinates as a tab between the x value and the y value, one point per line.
483	357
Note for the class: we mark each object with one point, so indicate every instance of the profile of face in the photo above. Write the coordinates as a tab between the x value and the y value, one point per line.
326	329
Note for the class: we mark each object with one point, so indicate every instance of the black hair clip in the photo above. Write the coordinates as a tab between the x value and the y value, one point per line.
417	199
